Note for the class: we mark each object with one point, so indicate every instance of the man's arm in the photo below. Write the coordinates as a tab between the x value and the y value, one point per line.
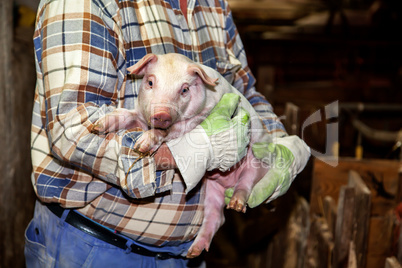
81	70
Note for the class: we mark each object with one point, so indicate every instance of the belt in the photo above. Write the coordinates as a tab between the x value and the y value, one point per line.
96	230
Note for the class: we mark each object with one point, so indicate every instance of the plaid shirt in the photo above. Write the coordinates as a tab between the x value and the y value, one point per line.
82	50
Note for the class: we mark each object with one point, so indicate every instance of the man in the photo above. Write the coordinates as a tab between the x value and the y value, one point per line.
83	48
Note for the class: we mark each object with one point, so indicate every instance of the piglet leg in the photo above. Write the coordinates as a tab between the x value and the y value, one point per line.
117	120
249	173
213	218
150	140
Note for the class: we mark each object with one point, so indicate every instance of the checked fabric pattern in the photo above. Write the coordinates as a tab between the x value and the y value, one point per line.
82	50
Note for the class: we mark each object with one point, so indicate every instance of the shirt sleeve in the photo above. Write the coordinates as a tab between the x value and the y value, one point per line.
81	69
244	81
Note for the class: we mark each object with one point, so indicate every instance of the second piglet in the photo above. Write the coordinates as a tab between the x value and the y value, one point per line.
176	95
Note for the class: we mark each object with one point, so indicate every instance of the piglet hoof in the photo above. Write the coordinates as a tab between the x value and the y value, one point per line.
238	201
149	140
144	143
196	250
237	205
98	128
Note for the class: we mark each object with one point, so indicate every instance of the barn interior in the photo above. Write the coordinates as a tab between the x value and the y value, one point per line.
332	70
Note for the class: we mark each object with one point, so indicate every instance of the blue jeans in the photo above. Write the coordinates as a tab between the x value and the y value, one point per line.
51	242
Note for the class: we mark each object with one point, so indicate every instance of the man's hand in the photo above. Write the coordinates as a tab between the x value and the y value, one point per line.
278	179
287	157
228	134
219	142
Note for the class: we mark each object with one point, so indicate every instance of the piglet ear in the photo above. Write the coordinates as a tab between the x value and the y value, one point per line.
196	69
140	67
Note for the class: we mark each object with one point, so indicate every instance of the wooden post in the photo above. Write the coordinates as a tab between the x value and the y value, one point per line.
6	31
288	247
330	213
352	260
292	123
325	245
352	225
392	262
17	85
296	235
362	216
344	226
6	156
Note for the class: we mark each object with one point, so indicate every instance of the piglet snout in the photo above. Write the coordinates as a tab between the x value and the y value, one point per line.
161	119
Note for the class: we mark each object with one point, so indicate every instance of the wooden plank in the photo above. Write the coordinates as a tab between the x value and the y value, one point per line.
330	213
6	35
392	262
288	246
398	247
325	244
361	215
399	193
297	230
7	243
380	176
268	10
17	79
344	226
379	240
352	260
292	121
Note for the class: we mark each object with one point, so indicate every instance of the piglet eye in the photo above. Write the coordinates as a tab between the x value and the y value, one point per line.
150	83
185	90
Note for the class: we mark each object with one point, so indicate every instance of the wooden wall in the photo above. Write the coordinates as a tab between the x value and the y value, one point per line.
312	71
17	78
369	224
